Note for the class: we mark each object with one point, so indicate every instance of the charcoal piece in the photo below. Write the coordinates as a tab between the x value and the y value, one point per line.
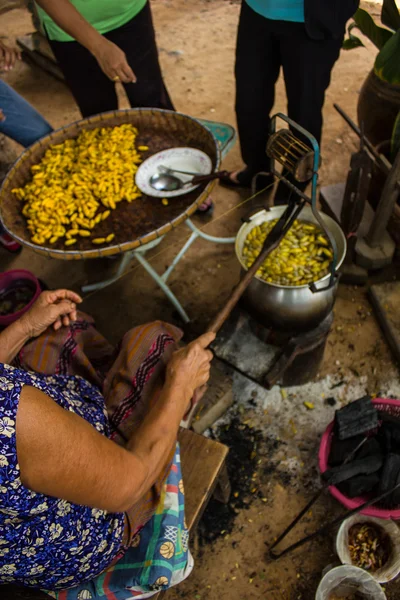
370	448
364	466
342	449
390	477
356	418
359	485
386	417
389	436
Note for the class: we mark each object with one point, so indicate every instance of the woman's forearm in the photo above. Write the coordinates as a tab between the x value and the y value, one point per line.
11	341
66	16
153	441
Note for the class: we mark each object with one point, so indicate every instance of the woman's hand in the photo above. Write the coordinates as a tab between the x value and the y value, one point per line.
112	61
8	57
56	308
189	367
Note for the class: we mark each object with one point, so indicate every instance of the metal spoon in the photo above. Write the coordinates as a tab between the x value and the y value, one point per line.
166	182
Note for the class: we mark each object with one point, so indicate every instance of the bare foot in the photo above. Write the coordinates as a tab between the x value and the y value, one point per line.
206	205
233	176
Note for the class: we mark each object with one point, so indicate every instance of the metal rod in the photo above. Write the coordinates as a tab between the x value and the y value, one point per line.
328	526
178	257
171	297
99	285
381	160
384	211
209	238
290	185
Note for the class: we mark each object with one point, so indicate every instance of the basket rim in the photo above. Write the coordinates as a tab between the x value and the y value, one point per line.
110	250
352	503
28	276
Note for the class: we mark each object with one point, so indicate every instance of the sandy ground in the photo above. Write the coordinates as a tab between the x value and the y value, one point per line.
196	40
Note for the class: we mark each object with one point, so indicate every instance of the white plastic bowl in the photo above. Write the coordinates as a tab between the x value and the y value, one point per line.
349	580
392	568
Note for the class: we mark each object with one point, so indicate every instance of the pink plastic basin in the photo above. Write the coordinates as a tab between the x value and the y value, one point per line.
7	280
382	404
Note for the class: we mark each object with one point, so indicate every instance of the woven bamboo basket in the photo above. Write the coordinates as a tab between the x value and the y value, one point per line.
135	224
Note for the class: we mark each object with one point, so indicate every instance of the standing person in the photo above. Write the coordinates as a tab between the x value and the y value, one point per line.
100	42
18	121
303	37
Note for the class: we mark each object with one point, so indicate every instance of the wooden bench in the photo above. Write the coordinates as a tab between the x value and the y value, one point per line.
203	462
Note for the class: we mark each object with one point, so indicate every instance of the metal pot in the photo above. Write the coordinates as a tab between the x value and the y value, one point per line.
283	307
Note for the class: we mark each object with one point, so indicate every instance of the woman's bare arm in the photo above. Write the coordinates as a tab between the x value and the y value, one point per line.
55	308
111	58
62	455
11	341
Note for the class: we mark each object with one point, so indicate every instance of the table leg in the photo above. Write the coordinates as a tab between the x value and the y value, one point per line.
171	297
209	238
126	259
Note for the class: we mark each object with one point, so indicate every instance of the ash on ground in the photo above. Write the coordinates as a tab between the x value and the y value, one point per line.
273	437
249	448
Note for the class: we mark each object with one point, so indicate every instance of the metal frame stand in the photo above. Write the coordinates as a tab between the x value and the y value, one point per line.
161	280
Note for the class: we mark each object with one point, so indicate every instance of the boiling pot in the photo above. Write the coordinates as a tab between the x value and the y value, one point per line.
283	307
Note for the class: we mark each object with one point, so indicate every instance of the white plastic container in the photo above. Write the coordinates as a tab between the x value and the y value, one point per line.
346	580
388	571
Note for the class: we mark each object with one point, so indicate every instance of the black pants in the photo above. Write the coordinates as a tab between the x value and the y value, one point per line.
263	46
93	91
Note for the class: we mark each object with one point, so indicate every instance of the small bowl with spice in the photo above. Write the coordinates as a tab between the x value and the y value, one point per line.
371	544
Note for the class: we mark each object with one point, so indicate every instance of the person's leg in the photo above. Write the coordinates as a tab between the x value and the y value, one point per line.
257	69
135	379
75	350
22	122
93	91
137	39
307	66
132	385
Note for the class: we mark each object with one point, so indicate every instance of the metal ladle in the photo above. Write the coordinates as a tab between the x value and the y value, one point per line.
165	181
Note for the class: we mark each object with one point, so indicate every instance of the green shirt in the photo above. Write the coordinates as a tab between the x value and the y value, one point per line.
103	15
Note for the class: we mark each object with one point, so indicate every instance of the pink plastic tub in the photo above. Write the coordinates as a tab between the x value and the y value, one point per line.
382	404
8	280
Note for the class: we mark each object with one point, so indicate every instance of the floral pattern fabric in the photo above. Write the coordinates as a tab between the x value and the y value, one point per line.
46	542
157	558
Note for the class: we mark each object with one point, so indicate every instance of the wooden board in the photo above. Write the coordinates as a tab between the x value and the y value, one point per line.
202	461
385	298
217	399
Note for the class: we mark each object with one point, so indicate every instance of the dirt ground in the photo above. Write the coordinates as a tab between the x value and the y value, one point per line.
196	41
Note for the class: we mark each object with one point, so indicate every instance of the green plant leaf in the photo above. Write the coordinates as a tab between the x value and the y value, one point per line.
352	42
365	23
387	63
390	15
395	141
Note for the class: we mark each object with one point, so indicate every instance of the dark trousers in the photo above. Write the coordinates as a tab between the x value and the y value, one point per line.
263	47
93	91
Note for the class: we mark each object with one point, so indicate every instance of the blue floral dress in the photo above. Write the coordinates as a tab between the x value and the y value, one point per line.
46	542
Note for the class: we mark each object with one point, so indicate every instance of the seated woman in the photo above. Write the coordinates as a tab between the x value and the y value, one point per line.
91	496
